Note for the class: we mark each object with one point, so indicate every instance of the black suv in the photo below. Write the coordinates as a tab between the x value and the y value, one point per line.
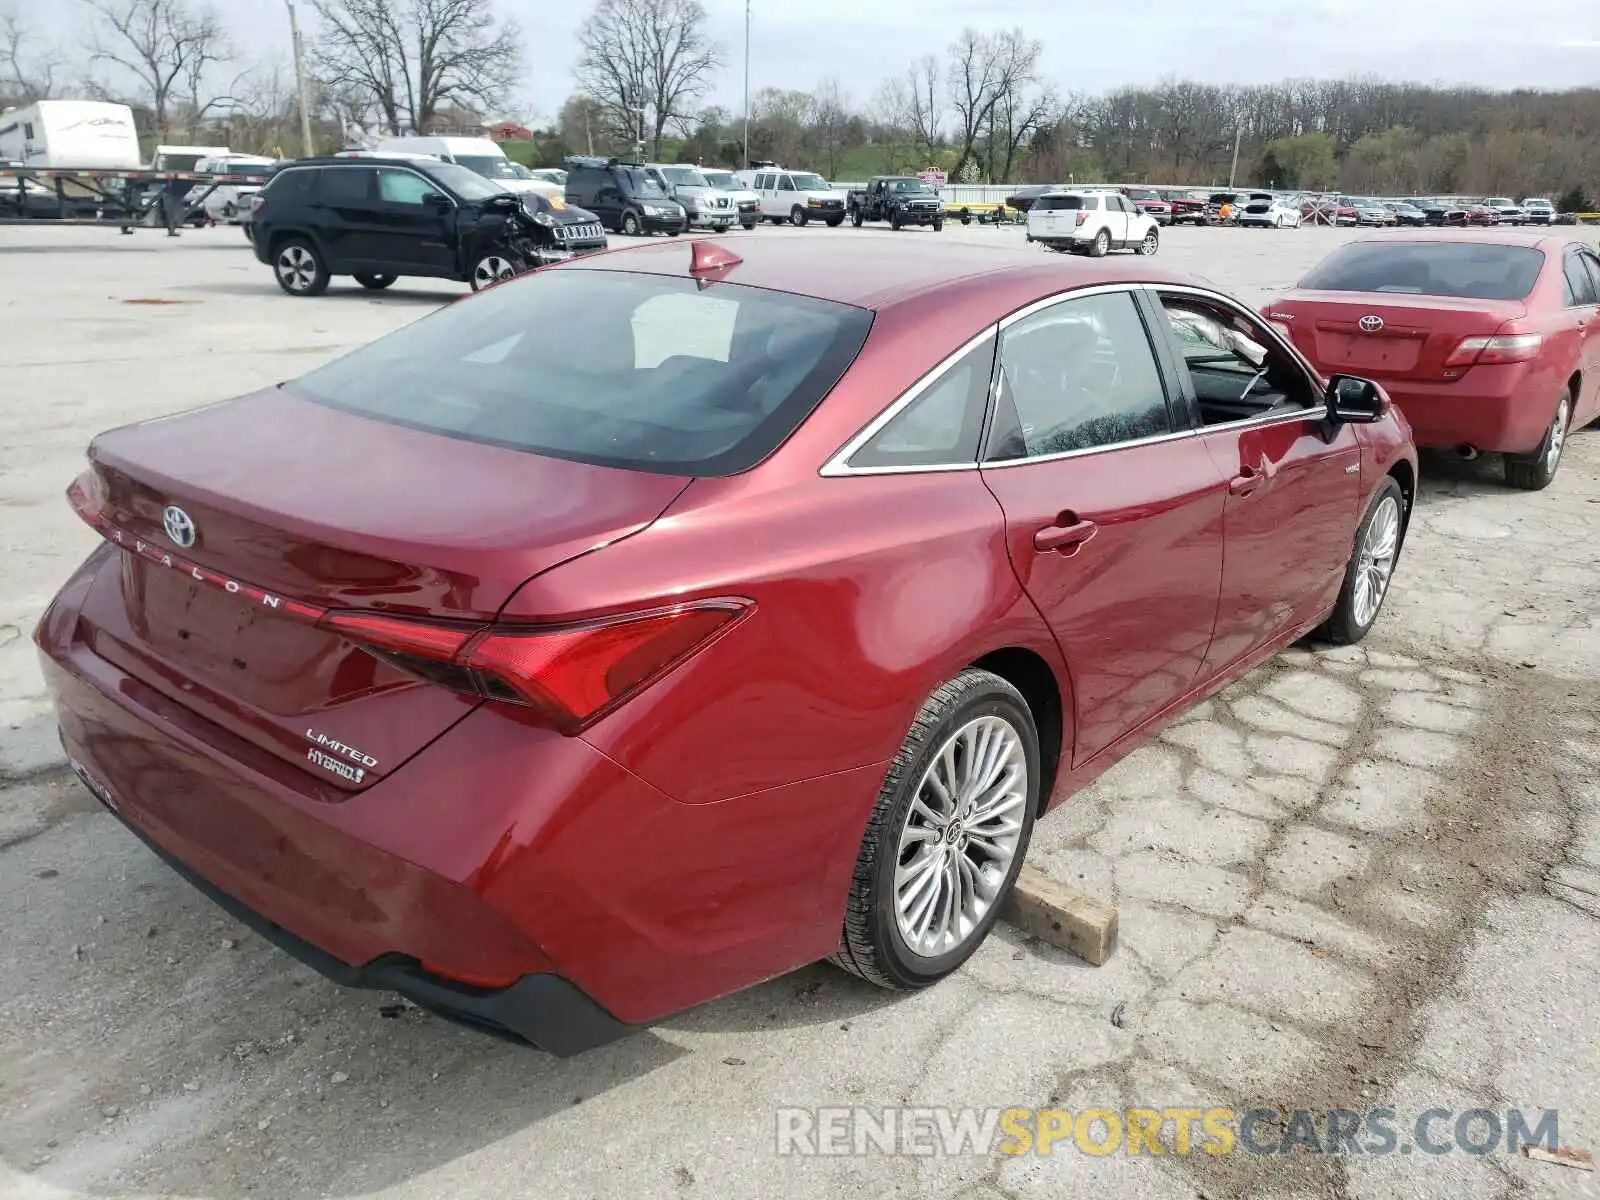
624	196
378	218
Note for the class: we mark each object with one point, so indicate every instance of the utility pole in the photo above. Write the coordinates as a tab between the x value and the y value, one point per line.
747	84
1238	132
301	95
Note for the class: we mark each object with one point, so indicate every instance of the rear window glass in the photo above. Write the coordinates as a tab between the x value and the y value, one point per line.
286	184
645	372
1047	203
1469	270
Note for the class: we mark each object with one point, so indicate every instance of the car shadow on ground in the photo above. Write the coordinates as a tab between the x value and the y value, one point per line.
339	291
158	1046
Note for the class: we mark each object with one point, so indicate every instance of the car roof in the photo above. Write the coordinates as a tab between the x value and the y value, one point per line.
1491	235
879	273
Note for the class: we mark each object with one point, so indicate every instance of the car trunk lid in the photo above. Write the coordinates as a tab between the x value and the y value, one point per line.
243	524
1384	336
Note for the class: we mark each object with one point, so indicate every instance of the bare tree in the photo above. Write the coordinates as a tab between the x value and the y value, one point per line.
830	123
984	70
926	104
653	57
418	58
580	123
26	74
891	111
1020	114
164	45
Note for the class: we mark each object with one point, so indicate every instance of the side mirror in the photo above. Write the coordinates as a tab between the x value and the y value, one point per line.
436	201
504	203
1354	401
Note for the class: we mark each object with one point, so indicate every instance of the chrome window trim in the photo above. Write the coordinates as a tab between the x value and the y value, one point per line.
837	465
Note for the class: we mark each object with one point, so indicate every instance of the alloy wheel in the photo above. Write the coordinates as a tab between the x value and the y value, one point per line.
960	837
1556	441
1375	564
1152	243
297	267
491	269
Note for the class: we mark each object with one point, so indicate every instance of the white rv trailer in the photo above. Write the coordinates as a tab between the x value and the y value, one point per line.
70	133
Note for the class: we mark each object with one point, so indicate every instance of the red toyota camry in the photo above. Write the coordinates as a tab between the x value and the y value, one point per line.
654	624
1487	341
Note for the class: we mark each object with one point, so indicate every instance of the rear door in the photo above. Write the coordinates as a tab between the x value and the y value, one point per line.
1293	482
350	230
1120	218
1113	512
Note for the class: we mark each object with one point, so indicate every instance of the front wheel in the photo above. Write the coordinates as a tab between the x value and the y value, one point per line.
630	224
492	269
1366	578
937	226
375	283
1535	472
797	216
299	268
1149	244
857	217
947	836
747	226
1101	244
894	221
835	222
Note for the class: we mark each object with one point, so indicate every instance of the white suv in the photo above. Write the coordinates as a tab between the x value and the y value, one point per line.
1091	222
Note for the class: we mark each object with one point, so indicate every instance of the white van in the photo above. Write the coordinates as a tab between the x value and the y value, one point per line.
70	133
479	155
795	196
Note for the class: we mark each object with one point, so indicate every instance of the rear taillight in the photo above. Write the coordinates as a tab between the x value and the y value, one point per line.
572	674
256	202
1082	217
1488	351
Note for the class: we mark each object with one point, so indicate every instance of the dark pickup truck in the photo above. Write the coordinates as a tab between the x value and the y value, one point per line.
898	199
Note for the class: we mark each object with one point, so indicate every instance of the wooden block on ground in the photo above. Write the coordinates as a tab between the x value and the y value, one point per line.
1069	920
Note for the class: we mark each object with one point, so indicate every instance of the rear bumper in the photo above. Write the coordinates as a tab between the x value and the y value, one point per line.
1496	409
541	1010
506	875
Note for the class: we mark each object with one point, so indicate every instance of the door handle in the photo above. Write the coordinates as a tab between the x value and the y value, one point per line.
1066	536
1246	481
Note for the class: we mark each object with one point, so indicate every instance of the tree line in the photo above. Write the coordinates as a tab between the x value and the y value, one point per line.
983	109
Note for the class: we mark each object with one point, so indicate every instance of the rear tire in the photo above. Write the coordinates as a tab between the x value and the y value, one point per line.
933	873
298	267
938	225
1373	559
835	222
375	283
857	217
1535	472
1101	244
894	221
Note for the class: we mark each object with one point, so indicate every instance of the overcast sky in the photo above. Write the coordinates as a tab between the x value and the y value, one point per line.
1088	46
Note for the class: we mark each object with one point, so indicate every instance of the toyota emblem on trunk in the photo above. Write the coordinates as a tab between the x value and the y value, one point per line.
179	526
1370	323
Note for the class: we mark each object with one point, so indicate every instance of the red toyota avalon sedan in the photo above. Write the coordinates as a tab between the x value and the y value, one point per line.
1487	341
651	625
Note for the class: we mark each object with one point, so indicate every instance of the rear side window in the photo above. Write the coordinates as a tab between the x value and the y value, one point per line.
943	424
646	372
1580	287
1468	270
347	184
292	185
